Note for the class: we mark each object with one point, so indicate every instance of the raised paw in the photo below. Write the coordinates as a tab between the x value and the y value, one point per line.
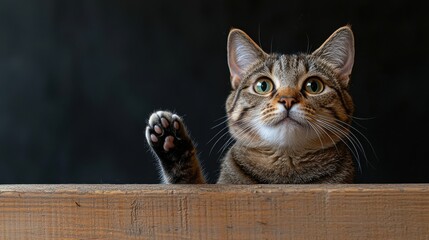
169	140
166	133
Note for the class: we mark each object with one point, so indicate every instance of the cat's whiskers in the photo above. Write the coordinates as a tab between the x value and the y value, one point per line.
340	132
309	117
361	118
350	143
245	129
221	123
218	140
316	129
239	134
340	136
253	133
251	123
219	132
228	118
346	125
270	118
231	139
225	119
357	139
268	114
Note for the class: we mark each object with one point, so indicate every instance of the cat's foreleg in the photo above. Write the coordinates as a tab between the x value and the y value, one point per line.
169	140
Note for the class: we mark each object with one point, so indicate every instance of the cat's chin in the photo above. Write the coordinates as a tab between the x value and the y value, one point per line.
289	122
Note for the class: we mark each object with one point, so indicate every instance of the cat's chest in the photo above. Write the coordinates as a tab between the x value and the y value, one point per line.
279	164
283	163
276	166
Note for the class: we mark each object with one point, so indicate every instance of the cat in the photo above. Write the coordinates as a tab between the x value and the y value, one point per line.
289	115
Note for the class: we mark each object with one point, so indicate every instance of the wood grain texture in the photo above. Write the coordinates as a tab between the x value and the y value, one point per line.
214	211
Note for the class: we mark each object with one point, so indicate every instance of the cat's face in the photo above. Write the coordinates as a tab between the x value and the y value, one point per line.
290	100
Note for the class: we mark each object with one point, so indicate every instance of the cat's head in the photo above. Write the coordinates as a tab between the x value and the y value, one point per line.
298	100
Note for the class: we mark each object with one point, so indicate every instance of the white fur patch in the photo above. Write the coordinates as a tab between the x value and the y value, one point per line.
287	133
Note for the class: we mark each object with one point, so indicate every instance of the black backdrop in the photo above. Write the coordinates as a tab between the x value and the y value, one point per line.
78	79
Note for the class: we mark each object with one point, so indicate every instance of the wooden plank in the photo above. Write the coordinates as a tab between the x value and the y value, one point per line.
214	211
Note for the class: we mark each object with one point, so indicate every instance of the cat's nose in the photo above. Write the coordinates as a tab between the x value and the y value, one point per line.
288	102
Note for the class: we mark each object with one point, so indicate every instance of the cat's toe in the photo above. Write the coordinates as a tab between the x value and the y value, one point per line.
176	125
151	136
164	122
179	127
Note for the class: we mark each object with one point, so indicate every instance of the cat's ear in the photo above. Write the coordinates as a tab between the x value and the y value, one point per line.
243	52
339	51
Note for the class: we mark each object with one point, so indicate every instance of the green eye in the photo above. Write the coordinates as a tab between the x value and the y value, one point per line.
313	85
264	86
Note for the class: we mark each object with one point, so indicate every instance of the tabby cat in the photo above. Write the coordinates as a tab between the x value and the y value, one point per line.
288	114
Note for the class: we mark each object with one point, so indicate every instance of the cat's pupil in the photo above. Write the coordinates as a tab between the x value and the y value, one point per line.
264	86
314	86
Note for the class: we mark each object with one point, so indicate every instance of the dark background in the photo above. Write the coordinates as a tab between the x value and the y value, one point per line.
78	79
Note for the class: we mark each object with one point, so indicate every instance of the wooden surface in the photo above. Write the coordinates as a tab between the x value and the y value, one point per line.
214	212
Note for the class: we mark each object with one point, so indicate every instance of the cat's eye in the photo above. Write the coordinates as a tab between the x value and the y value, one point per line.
263	86
313	85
